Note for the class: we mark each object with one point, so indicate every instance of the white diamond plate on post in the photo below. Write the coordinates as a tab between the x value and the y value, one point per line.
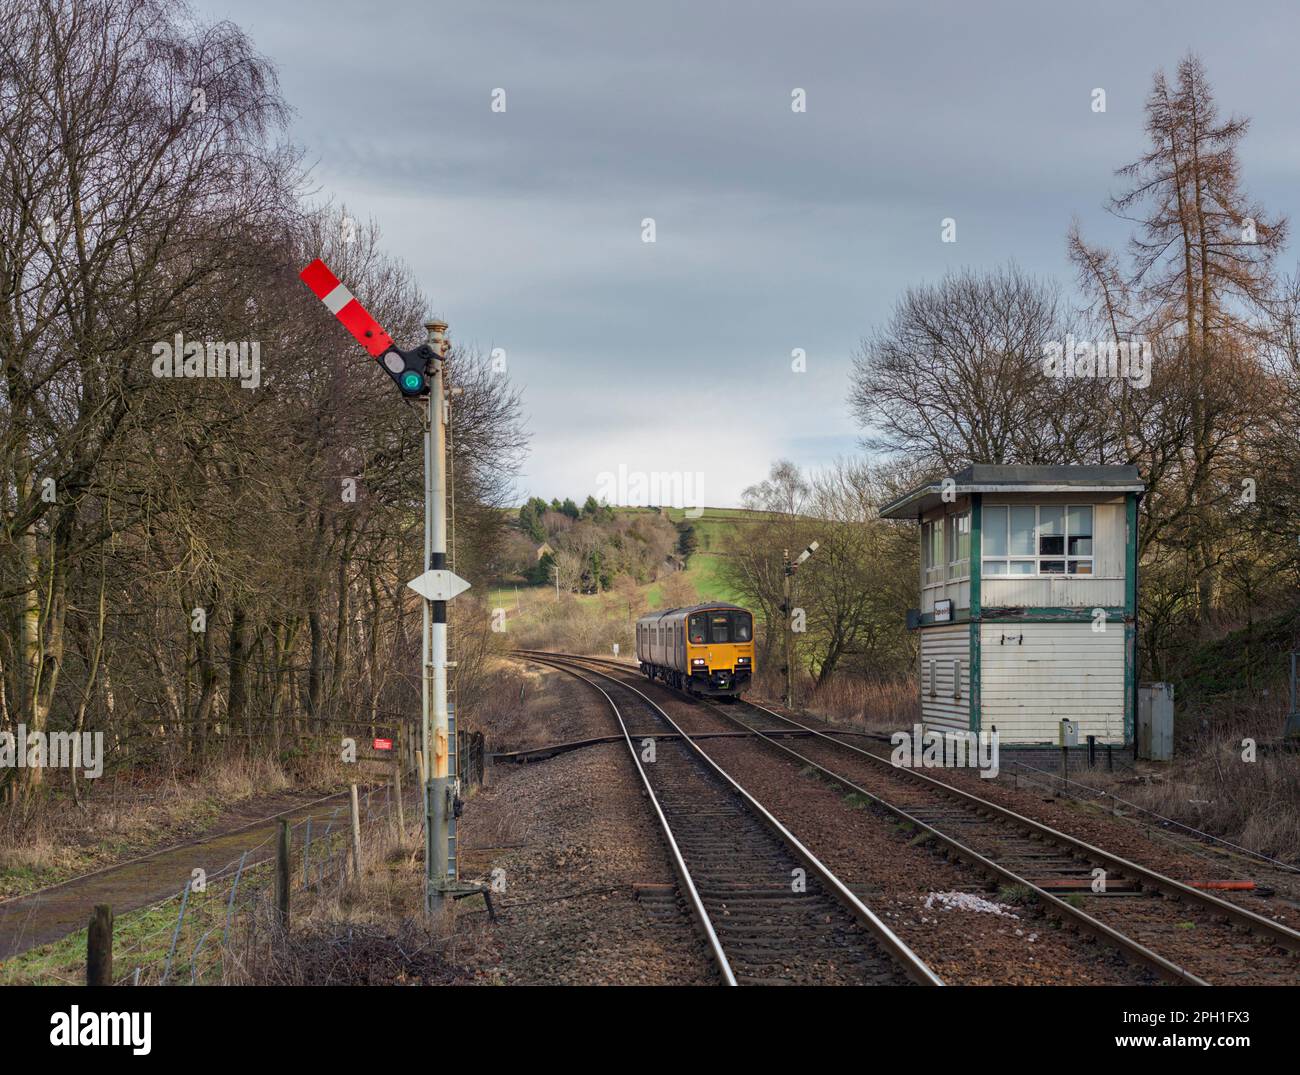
438	585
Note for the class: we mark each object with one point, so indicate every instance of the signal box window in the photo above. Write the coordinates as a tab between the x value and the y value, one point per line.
1049	539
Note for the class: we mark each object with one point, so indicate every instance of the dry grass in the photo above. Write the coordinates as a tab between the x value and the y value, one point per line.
499	711
234	779
574	625
866	704
1209	786
370	930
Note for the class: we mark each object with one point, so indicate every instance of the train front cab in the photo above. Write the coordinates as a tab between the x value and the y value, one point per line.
719	651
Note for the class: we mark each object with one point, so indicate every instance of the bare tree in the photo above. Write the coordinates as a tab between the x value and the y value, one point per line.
191	564
1200	281
117	195
956	376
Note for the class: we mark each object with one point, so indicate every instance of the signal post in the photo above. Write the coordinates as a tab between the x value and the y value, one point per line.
437	586
419	376
789	567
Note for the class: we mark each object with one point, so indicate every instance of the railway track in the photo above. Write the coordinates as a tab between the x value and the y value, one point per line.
1185	934
769	910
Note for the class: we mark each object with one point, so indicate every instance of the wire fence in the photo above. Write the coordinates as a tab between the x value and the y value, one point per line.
224	920
223	923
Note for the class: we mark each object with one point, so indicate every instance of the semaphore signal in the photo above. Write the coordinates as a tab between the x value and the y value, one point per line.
419	374
410	370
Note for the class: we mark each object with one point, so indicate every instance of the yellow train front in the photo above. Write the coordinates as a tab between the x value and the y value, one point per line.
705	649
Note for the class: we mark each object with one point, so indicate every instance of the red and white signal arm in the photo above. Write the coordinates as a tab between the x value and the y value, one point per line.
383	744
408	368
340	302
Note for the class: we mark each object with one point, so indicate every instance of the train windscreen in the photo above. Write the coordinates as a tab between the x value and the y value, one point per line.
721	626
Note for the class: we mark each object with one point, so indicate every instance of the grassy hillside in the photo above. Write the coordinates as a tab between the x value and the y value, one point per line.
527	606
712	529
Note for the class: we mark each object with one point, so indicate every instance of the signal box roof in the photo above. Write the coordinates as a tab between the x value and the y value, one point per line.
997	478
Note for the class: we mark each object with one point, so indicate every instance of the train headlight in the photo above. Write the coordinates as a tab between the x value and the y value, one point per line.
699	662
742	660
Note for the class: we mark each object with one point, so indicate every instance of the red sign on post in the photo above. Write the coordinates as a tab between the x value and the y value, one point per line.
383	744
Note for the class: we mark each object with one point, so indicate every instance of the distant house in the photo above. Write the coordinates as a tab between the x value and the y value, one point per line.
544	549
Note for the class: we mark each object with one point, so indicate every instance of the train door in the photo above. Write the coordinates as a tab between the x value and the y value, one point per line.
679	649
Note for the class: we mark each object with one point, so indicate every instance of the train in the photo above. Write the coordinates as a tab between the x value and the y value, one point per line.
705	650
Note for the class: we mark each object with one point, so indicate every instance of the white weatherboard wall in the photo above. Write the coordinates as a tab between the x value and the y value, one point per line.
944	645
1060	670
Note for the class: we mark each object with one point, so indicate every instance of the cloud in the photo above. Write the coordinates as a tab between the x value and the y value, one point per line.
776	230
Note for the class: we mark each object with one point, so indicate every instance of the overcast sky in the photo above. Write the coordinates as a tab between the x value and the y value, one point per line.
775	230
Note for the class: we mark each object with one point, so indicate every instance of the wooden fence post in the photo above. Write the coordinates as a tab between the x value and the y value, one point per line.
356	835
397	790
282	875
99	946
